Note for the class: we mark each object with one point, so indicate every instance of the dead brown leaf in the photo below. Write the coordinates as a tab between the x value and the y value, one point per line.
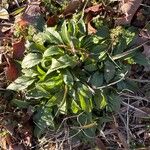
72	7
128	8
3	143
11	71
91	29
30	14
100	144
18	49
52	21
90	13
94	9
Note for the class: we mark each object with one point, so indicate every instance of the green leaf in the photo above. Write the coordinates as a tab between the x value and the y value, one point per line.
114	102
21	83
87	124
51	82
43	119
63	108
82	27
30	72
68	78
85	98
31	60
65	34
103	32
109	71
41	38
56	99
54	36
75	107
100	100
63	62
72	27
102	55
20	103
37	93
40	70
140	59
103	102
121	46
91	67
53	50
96	79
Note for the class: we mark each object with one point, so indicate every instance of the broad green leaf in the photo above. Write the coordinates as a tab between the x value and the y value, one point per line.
53	50
41	38
62	62
86	41
140	59
91	67
63	108
82	27
109	71
56	99
21	83
114	102
20	103
35	47
85	98
121	46
100	100
31	60
43	119
72	27
84	103
30	72
130	34
87	125
74	106
103	32
65	34
103	102
96	79
54	36
40	70
68	78
37	93
102	55
51	83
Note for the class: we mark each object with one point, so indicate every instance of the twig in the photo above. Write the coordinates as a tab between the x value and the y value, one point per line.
128	136
123	120
145	5
139	110
139	80
135	97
